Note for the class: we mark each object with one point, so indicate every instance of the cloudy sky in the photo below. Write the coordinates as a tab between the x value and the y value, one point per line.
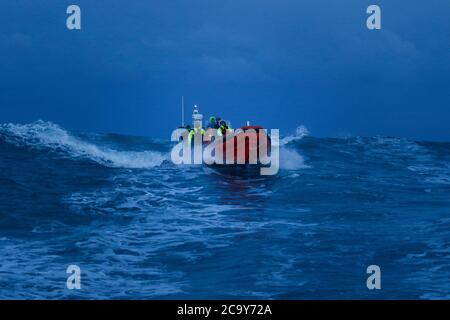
279	63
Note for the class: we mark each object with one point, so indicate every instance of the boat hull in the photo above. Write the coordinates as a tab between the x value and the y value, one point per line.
246	146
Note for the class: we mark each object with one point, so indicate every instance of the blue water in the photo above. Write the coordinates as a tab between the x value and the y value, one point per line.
140	227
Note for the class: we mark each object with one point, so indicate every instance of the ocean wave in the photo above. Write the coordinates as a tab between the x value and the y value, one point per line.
292	160
164	232
44	135
300	133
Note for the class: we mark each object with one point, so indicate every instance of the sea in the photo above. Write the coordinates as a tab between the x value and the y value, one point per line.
139	227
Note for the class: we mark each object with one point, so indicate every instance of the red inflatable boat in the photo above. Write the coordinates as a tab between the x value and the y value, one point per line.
246	146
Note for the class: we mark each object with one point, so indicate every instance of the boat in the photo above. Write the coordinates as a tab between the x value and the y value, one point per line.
244	148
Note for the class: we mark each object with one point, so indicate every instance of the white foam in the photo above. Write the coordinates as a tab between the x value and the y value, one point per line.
47	135
291	160
300	133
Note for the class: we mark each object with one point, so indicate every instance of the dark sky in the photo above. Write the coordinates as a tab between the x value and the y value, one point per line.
277	63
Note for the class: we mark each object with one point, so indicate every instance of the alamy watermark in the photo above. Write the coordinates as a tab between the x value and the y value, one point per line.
73	21
74	278
234	147
374	280
374	20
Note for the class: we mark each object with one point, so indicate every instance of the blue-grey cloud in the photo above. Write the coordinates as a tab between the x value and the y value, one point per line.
279	63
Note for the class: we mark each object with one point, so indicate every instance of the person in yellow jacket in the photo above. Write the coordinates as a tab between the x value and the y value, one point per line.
192	132
223	128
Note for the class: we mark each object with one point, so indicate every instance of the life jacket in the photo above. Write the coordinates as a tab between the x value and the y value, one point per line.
193	132
223	130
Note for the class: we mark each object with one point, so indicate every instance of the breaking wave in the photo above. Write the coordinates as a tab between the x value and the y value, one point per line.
300	133
290	158
44	135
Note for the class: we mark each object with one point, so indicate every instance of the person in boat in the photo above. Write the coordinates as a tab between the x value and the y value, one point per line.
218	124
223	128
213	123
192	132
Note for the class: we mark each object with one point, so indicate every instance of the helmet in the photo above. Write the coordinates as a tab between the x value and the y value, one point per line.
222	123
212	119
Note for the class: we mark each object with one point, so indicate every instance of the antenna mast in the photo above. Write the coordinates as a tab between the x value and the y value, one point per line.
182	111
